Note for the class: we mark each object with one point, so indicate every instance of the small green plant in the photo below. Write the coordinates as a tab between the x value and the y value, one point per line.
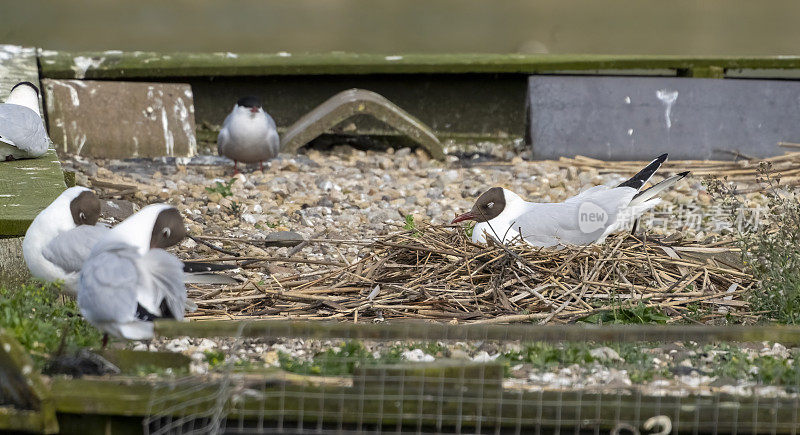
411	226
223	189
214	358
36	316
235	208
409	223
634	358
639	314
340	360
469	229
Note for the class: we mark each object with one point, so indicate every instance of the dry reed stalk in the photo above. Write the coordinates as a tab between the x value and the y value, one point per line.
436	273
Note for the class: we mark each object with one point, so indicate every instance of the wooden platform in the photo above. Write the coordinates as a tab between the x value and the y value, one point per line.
26	186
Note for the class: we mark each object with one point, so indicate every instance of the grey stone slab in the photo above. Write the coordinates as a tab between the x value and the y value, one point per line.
281	239
357	102
624	118
121	119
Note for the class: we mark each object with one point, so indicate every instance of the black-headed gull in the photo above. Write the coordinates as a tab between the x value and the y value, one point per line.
129	279
22	132
248	134
61	236
588	217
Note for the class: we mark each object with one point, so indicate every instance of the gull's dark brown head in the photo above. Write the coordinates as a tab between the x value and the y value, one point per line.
487	207
168	229
85	208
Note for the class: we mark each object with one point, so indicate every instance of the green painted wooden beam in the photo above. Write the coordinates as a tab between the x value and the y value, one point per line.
412	330
26	188
19	379
131	65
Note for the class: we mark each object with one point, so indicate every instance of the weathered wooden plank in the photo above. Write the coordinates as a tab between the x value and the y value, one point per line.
412	330
26	186
273	402
121	119
20	420
116	65
444	377
129	361
31	406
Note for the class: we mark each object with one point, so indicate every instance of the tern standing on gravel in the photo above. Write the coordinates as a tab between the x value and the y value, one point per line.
22	132
248	134
62	235
129	280
588	217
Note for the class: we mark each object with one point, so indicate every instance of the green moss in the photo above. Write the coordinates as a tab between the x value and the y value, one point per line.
340	360
214	358
37	315
637	358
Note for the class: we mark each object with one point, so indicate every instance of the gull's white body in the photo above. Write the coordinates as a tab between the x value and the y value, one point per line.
554	224
53	244
22	132
123	272
248	137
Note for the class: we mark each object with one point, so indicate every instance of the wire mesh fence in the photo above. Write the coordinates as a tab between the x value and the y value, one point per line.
291	377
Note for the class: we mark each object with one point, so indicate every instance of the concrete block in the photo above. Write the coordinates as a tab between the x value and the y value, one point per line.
120	119
637	118
356	102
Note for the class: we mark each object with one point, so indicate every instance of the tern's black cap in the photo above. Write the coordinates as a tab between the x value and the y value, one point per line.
26	83
249	101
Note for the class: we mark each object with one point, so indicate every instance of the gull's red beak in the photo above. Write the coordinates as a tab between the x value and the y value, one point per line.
463	217
254	109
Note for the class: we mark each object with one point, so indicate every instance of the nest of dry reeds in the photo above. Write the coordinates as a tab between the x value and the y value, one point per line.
437	273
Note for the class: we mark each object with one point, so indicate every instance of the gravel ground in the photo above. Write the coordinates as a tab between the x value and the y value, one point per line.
345	193
352	194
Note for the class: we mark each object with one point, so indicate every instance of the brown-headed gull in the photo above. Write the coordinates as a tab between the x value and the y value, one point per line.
248	134
22	132
61	236
129	279
588	217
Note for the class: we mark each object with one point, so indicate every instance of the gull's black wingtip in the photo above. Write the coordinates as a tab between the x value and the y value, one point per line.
684	173
641	178
202	266
35	88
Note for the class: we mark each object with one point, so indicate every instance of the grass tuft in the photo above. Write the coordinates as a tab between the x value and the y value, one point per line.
36	316
770	242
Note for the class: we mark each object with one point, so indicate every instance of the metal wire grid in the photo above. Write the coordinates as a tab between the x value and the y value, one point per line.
451	398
